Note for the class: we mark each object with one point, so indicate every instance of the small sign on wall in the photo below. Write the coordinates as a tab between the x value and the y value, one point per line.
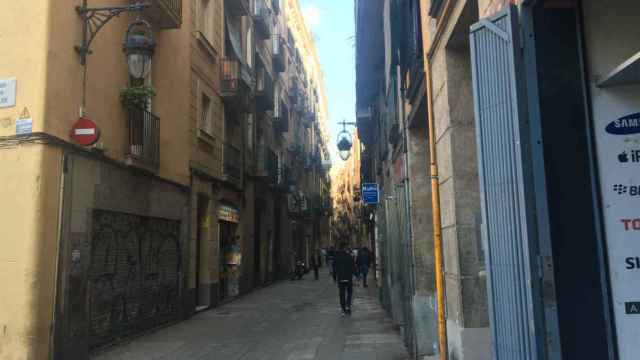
24	124
8	92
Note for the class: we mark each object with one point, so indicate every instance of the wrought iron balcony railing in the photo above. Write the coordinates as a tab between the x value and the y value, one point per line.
232	164
264	91
263	18
237	80
144	139
237	7
165	14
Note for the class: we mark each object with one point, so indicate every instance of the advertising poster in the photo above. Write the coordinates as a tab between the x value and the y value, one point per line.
617	127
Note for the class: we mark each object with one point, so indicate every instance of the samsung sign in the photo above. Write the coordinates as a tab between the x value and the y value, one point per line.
626	125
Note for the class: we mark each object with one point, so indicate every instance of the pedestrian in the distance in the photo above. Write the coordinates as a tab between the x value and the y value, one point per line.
364	263
345	269
354	254
314	266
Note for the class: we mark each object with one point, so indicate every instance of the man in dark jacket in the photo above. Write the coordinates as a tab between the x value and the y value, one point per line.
345	269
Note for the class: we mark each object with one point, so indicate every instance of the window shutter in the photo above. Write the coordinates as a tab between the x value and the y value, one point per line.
509	226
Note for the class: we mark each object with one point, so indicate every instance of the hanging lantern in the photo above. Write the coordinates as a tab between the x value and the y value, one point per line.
138	48
344	143
344	148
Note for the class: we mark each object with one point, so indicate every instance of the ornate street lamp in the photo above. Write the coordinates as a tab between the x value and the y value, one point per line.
344	147
138	45
344	141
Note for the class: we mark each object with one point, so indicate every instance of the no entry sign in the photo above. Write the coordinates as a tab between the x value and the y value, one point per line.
85	132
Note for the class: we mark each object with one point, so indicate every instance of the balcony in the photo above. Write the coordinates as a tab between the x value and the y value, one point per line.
267	164
263	19
164	14
264	91
279	56
237	82
237	7
280	117
144	140
232	164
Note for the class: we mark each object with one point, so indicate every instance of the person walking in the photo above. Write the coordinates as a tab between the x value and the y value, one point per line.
364	263
344	270
314	266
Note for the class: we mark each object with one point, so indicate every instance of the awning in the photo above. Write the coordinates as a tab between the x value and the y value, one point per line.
233	33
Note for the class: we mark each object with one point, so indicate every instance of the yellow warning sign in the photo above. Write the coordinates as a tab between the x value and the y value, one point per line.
25	114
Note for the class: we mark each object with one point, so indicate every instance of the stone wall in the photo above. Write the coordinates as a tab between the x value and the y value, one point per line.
92	185
466	296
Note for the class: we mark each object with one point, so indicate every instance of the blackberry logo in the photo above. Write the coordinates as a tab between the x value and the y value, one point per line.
620	189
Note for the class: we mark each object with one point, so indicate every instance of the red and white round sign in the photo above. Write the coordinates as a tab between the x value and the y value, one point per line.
85	132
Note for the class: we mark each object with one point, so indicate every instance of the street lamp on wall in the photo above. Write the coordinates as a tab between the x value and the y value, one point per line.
345	142
138	44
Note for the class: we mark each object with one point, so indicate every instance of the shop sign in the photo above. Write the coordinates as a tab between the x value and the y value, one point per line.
228	214
617	137
626	125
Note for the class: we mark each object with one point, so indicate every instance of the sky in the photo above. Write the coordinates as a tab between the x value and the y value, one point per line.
333	27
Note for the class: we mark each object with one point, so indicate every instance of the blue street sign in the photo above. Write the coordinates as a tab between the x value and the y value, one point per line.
370	193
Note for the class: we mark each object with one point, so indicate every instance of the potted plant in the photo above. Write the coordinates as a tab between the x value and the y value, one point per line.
136	97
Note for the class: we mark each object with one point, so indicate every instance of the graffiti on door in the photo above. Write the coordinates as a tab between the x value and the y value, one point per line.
134	281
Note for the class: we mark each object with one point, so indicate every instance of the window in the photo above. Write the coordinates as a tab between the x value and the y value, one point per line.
206	122
206	19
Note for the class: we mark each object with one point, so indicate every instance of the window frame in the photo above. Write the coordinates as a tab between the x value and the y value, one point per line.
205	131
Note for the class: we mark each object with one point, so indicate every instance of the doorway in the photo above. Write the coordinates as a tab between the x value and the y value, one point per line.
570	181
230	259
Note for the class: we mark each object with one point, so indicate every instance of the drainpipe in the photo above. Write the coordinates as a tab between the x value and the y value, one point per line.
431	44
59	265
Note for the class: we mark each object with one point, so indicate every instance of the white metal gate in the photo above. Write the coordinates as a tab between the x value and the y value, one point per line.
509	226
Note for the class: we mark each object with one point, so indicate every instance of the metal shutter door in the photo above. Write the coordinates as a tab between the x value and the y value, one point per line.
507	221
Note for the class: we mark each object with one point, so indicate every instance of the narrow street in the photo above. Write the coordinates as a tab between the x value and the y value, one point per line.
287	321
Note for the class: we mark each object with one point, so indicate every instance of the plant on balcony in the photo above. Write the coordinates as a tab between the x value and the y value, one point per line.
136	97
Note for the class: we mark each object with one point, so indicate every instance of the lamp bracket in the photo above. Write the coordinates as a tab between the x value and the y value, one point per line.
94	19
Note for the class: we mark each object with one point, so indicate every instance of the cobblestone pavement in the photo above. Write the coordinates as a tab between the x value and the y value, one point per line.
287	321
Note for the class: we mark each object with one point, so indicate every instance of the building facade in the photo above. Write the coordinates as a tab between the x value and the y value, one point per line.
533	116
182	202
